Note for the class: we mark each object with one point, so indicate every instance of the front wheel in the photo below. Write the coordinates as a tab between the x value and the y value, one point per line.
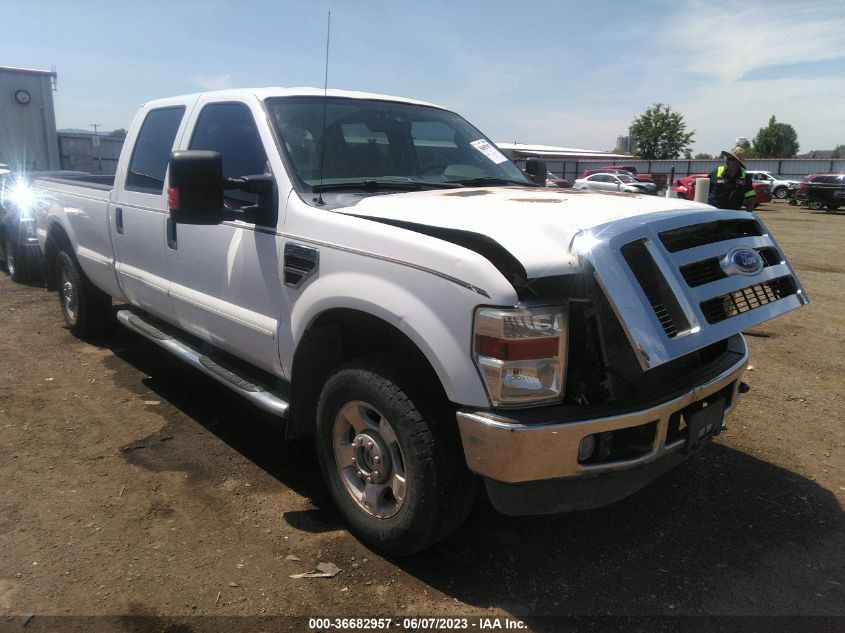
391	457
781	192
815	205
85	308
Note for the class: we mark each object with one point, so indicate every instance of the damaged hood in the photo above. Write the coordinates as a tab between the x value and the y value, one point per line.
536	226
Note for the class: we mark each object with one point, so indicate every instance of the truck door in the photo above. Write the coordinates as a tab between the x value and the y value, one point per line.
225	279
138	211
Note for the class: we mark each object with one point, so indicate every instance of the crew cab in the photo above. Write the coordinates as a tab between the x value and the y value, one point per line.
376	273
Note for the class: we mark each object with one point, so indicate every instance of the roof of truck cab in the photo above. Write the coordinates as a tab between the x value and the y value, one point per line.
266	93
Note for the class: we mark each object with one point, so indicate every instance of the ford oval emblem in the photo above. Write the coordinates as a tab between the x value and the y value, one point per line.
743	260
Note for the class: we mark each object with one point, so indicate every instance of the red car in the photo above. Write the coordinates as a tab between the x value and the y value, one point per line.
685	188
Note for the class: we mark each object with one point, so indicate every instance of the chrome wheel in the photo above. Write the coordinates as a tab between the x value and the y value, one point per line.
369	459
69	298
781	193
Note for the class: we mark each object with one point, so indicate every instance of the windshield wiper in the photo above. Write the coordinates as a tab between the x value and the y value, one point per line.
492	180
373	185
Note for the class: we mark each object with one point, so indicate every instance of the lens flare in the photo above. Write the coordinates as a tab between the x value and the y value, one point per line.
23	197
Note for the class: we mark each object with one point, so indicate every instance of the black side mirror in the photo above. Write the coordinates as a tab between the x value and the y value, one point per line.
537	171
195	194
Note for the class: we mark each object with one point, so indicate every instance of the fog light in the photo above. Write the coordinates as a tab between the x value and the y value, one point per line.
586	448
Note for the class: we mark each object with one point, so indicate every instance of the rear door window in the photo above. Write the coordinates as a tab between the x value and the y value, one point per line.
151	153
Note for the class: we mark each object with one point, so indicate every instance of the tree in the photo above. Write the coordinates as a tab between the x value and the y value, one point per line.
120	133
839	152
660	133
776	140
703	156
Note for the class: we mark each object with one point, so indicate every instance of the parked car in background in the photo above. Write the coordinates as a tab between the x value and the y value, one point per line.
685	188
554	181
18	242
779	185
822	191
615	182
633	171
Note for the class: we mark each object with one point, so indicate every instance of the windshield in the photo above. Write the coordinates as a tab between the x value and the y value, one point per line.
373	144
626	178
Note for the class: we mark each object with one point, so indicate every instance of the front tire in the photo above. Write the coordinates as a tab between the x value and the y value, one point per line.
781	192
391	457
85	308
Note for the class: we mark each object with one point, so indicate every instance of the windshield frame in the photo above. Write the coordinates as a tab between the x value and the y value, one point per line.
306	190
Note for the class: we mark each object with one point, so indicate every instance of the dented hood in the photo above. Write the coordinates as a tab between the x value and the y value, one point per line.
535	225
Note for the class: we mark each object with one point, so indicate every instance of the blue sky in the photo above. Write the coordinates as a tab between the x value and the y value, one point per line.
557	73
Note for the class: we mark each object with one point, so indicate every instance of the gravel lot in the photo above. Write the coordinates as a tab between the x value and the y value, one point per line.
132	485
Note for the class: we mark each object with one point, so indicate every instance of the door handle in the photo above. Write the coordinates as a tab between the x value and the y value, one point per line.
171	234
118	220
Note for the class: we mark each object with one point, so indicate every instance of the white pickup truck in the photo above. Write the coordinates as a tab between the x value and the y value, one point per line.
372	270
779	186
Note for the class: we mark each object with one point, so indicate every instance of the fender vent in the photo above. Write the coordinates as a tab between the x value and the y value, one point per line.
300	263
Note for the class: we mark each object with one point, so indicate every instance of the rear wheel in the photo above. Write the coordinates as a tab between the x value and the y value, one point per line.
86	308
391	457
781	192
833	207
17	268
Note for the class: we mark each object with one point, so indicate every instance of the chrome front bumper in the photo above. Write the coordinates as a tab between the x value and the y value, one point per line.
510	451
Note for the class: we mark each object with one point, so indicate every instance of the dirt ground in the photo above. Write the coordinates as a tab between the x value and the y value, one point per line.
132	485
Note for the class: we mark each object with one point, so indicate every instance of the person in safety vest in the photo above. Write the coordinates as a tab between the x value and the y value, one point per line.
730	184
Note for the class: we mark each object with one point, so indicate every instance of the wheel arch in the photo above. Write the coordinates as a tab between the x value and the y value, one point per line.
57	239
336	336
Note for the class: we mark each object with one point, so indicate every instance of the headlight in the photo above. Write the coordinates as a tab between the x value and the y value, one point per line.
521	354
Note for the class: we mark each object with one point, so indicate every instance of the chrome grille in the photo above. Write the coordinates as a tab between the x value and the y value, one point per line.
729	305
663	275
707	270
654	286
686	237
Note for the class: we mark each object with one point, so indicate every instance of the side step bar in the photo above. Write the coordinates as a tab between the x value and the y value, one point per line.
262	397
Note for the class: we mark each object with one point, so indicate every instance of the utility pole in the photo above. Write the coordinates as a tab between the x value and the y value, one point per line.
95	142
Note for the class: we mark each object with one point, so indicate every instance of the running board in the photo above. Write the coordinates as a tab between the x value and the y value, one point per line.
260	396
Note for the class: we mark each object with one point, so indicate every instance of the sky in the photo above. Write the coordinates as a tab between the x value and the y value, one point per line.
574	74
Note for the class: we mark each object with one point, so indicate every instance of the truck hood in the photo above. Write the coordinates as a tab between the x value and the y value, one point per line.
536	226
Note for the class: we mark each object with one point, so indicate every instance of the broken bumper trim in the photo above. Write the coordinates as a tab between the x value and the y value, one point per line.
510	451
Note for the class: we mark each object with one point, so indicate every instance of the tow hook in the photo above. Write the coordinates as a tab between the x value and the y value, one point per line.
744	387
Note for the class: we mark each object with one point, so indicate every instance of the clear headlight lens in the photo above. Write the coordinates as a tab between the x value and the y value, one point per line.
521	353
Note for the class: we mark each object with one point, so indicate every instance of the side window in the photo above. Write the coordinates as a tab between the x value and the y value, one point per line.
152	150
230	129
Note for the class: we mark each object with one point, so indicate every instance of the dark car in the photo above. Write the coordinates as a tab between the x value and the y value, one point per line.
18	242
822	191
553	180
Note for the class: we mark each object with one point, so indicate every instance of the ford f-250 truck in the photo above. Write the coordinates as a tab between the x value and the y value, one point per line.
375	272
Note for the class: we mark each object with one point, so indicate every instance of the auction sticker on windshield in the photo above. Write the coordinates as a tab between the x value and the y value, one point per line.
489	151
